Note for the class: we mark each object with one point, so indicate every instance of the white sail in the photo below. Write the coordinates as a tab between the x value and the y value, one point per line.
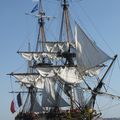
27	56
94	71
46	71
25	78
39	82
49	92
35	80
56	46
88	54
49	87
37	56
69	75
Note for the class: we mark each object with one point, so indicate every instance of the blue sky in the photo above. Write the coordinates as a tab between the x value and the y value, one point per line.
101	18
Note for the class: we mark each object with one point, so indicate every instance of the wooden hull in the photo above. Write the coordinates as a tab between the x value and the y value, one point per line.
55	116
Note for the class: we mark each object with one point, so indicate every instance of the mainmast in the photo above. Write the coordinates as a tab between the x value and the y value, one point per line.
41	34
68	55
65	16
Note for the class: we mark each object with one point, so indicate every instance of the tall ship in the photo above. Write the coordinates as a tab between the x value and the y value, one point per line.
56	85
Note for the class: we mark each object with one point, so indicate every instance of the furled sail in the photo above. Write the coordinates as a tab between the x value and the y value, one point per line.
69	75
52	51
33	79
56	46
37	56
47	71
88	54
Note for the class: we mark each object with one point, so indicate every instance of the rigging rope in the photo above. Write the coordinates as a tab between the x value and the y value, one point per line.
12	87
118	63
109	79
23	65
98	107
108	85
96	29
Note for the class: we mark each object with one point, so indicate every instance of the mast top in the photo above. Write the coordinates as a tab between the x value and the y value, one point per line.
65	3
41	11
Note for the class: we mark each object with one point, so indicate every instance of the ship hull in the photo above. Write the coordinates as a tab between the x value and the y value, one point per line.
55	116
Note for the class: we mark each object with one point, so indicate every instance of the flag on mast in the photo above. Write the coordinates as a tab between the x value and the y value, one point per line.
35	8
19	101
12	107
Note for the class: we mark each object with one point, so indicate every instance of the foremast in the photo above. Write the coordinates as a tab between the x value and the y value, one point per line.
40	47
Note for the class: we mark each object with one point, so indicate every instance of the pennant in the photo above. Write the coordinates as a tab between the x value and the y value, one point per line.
12	108
19	101
35	8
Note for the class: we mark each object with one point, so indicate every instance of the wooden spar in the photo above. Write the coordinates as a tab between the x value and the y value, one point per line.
24	91
99	86
12	74
65	13
41	27
109	67
31	92
65	9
